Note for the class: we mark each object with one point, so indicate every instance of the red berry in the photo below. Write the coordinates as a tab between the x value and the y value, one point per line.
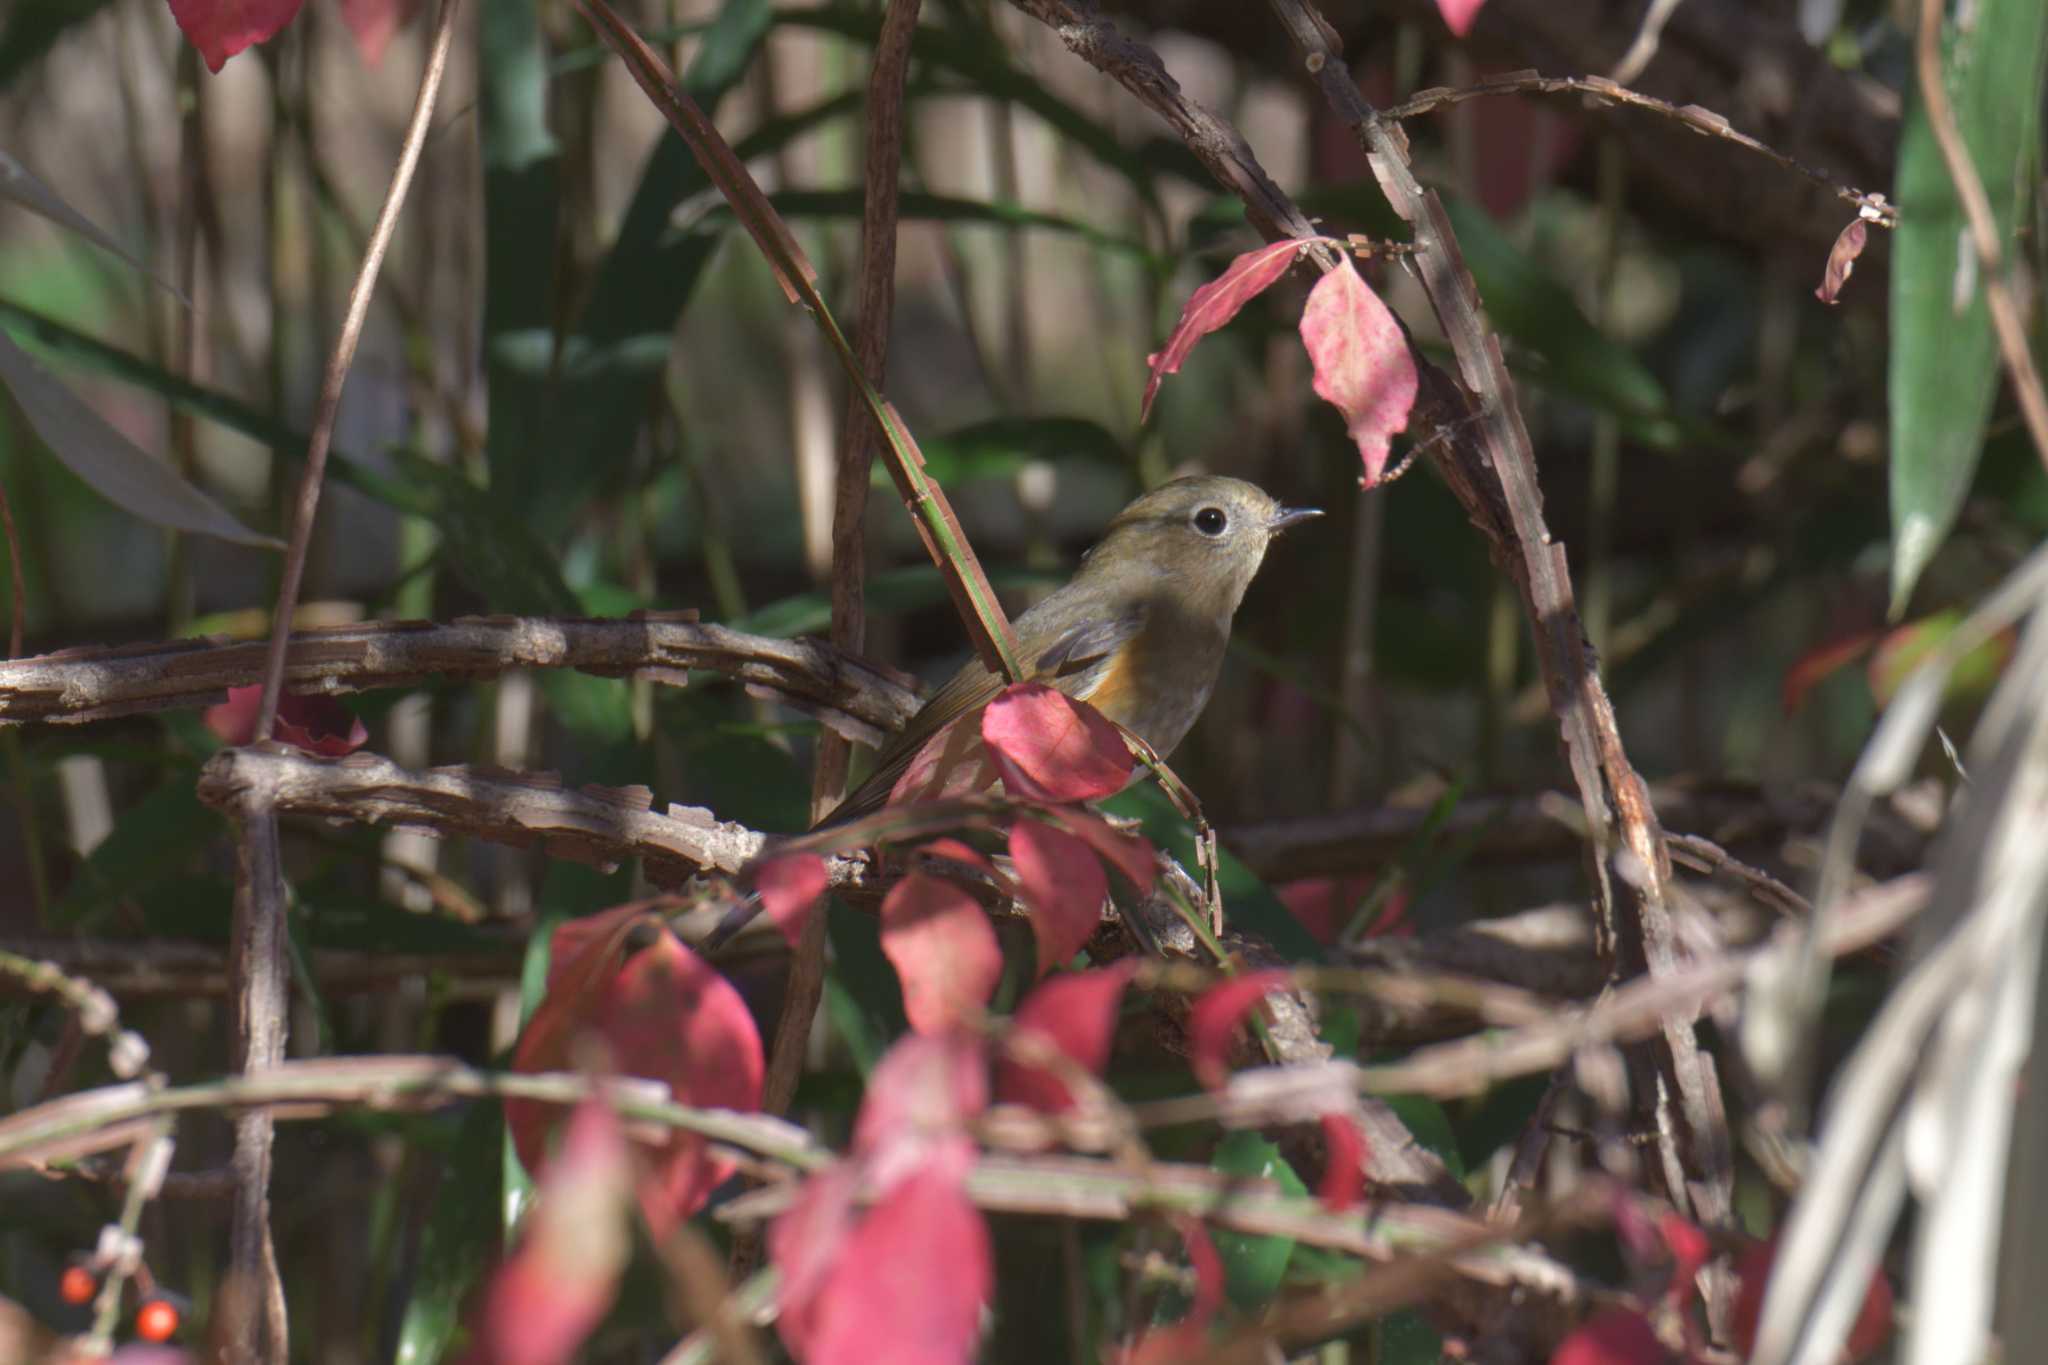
77	1285
156	1320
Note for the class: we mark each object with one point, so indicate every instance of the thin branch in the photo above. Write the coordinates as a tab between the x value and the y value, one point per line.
17	593
138	968
1611	91
98	1015
1999	294
856	698
253	1321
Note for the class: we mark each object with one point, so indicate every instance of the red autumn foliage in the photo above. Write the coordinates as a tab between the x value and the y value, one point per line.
663	1014
1361	361
318	725
790	887
221	28
1213	1022
575	1243
1064	885
1048	747
1613	1336
1077	1014
1215	304
944	951
1872	1328
1343	1182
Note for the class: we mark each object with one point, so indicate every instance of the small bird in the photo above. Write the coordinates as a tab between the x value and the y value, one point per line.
1139	631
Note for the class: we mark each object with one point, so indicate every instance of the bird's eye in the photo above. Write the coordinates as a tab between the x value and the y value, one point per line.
1210	521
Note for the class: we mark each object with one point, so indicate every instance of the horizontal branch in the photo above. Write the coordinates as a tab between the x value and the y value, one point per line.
854	697
1700	120
599	825
132	968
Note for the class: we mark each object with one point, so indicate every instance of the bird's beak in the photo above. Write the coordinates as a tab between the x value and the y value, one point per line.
1289	516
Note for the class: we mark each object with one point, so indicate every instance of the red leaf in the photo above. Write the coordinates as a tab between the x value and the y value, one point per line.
1048	747
790	887
221	28
927	1088
1361	362
1343	1163
666	1015
954	762
1063	884
1076	1013
1130	854
1842	260
1216	303
1872	1328
1459	14
804	1243
374	22
1614	1336
544	1301
1213	1022
943	949
911	1280
1690	1251
1810	669
318	725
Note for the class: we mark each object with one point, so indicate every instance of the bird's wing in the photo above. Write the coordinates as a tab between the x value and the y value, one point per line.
1073	663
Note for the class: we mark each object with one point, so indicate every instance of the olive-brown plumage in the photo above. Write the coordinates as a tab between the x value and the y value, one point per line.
1138	632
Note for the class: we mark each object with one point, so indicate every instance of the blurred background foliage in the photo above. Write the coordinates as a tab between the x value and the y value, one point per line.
581	393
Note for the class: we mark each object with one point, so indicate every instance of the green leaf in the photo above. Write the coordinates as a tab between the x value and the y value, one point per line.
1248	902
19	184
33	27
153	838
941	208
59	339
1541	317
487	545
456	1243
595	403
1253	1266
1944	359
112	465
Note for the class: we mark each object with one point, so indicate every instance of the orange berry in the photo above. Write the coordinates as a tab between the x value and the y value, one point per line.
77	1285
156	1320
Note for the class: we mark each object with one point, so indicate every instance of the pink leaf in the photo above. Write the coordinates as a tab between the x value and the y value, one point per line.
1842	261
1049	747
1213	1021
1613	1336
374	22
911	1281
1690	1251
544	1301
804	1242
943	949
1361	362
1063	884
221	28
665	1015
790	887
1459	14
953	763
1216	303
318	725
926	1088
1075	1013
1130	854
1343	1163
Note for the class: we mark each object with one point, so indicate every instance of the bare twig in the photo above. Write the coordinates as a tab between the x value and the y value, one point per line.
98	1015
859	699
136	968
1644	45
1612	91
1999	293
253	1320
17	594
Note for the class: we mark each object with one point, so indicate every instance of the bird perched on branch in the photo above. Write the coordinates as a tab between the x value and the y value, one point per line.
1138	632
